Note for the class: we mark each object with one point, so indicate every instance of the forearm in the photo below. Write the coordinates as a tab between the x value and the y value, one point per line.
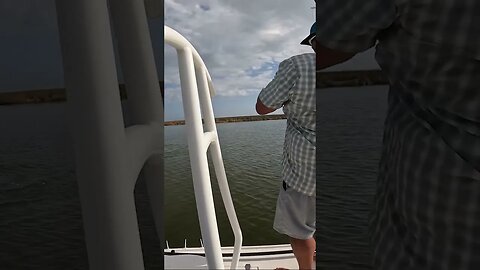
262	109
350	26
328	57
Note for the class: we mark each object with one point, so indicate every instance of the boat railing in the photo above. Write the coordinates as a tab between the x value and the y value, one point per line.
111	153
197	89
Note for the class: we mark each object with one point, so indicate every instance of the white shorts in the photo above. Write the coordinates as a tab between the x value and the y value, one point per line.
295	214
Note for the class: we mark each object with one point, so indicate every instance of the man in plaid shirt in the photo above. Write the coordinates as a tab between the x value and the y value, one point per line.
427	206
293	88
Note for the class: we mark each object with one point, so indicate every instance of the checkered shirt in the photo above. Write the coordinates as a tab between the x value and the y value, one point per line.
427	205
293	87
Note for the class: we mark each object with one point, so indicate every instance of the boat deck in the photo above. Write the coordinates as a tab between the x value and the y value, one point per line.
251	257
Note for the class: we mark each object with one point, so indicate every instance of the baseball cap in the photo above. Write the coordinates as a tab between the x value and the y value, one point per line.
313	32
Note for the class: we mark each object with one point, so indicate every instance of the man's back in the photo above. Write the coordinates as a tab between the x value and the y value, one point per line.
427	205
294	88
430	47
301	108
432	52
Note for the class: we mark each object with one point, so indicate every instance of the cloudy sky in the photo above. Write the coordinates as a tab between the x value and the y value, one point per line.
241	42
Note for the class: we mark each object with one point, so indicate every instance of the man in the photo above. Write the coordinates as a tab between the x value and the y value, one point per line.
293	88
427	206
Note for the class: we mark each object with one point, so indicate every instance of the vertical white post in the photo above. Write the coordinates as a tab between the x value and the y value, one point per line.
216	154
137	60
205	99
198	160
102	166
143	90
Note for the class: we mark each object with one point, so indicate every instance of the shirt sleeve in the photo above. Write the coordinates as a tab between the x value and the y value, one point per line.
278	90
352	25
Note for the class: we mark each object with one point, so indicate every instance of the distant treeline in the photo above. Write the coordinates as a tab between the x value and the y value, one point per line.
249	118
324	79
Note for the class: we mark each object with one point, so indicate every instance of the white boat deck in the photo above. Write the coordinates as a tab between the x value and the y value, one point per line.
251	257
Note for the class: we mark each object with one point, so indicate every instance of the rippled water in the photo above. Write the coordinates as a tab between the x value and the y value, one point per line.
252	156
40	218
350	123
40	215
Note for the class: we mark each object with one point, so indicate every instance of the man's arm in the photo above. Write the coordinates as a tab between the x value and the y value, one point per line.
349	27
276	93
329	57
262	109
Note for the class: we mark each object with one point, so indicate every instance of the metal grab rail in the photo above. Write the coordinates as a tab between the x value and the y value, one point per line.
197	89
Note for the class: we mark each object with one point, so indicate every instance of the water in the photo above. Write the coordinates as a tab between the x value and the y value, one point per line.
350	123
40	217
252	154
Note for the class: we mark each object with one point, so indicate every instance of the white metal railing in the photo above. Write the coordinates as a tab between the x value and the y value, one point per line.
197	89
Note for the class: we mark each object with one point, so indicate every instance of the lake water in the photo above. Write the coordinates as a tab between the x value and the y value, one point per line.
40	218
349	134
252	154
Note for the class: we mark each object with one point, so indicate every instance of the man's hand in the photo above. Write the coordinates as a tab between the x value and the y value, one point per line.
262	109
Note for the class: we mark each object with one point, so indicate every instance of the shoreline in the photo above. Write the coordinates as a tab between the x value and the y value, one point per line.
325	80
234	119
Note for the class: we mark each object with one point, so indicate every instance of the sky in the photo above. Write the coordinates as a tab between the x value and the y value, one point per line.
241	43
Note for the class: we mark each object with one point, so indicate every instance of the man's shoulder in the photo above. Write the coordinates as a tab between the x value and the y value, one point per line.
300	60
304	57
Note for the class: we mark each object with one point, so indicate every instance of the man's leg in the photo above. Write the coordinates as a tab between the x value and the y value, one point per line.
295	217
304	249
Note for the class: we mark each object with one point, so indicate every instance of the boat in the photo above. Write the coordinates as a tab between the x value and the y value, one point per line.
251	257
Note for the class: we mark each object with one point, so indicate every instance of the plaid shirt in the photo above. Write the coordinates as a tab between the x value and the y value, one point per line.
293	87
427	207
